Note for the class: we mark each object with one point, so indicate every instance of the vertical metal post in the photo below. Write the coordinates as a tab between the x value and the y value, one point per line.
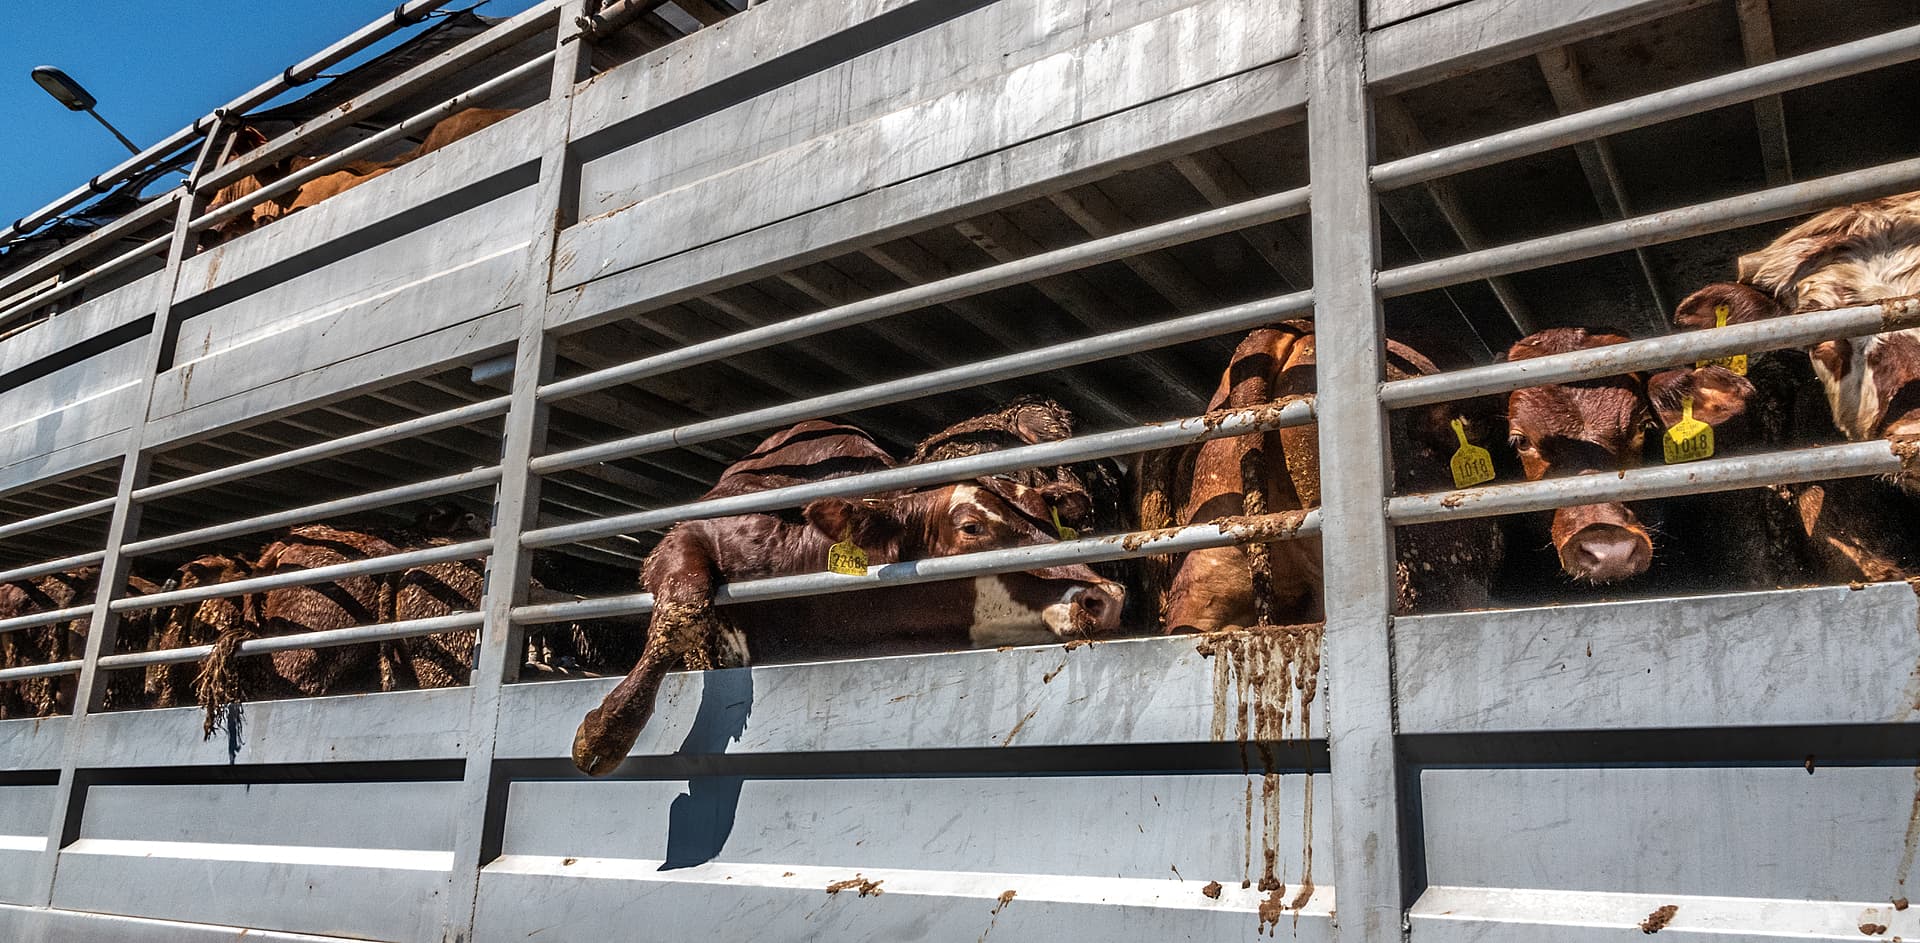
124	522
517	502
1355	479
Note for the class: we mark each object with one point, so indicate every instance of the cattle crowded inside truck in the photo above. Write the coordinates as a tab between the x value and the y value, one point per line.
621	453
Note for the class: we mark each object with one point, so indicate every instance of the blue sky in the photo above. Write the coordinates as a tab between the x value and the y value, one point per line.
154	65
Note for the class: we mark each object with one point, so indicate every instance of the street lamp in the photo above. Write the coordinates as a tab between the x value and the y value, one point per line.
69	93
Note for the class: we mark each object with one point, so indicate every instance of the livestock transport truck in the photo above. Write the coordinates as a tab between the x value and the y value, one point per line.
706	223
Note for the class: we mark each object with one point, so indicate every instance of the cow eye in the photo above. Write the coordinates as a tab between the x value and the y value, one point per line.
972	529
1517	442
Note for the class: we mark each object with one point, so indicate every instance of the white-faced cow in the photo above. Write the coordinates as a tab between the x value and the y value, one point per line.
1853	255
1023	607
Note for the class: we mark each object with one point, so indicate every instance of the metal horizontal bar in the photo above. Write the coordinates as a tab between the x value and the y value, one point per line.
1039	360
49	617
460	415
151	247
104	182
149	213
331	638
1127	441
52	566
405	15
77	512
308	577
1760	81
341	158
40	671
306	70
502	35
1654	353
399	494
1263	528
1763	206
1173	232
1851	460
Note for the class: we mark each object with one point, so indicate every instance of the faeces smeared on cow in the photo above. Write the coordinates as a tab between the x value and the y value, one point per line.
1259	676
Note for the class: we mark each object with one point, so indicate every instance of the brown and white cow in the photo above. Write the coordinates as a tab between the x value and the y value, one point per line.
1447	565
1582	428
1026	607
1846	256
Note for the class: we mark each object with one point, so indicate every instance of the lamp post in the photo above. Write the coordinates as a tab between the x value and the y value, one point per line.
69	93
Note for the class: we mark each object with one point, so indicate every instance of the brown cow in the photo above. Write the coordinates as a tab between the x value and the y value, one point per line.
64	641
682	571
1845	530
351	174
1580	428
1446	565
1846	256
198	623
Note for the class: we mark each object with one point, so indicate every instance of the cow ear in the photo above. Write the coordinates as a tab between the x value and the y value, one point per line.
867	521
1072	502
1744	304
1719	395
1778	267
246	138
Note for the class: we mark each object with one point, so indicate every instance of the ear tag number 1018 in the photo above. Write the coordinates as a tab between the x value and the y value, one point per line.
1471	463
1738	362
1688	440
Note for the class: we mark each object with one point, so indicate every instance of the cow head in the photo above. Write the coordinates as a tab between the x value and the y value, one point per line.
1720	399
449	520
1844	257
993	514
1584	428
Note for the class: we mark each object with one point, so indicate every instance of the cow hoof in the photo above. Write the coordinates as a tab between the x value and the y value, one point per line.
592	754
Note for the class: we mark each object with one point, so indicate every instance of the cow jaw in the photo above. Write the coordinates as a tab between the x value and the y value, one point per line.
999	619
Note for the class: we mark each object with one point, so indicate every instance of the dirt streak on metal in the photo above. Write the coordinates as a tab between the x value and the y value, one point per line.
1265	679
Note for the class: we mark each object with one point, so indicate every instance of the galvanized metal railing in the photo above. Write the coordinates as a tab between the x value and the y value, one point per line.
524	461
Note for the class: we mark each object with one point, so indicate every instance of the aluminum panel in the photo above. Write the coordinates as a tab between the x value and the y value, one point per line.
1746	831
1159	690
1817	656
24	813
32	743
1200	826
367	815
318	311
590	899
916	66
365	893
356	727
1102	77
1480	915
41	925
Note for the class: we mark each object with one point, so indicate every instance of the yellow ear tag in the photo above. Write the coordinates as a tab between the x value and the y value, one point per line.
1471	464
846	558
1688	440
1738	362
1066	533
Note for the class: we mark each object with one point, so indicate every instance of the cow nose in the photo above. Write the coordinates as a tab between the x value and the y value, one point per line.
1096	609
1606	553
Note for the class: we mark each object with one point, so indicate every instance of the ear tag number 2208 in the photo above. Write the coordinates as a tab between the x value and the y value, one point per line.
846	558
1471	463
1688	440
1736	363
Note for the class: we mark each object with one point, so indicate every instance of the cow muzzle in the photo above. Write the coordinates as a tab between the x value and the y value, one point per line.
1606	552
1087	610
